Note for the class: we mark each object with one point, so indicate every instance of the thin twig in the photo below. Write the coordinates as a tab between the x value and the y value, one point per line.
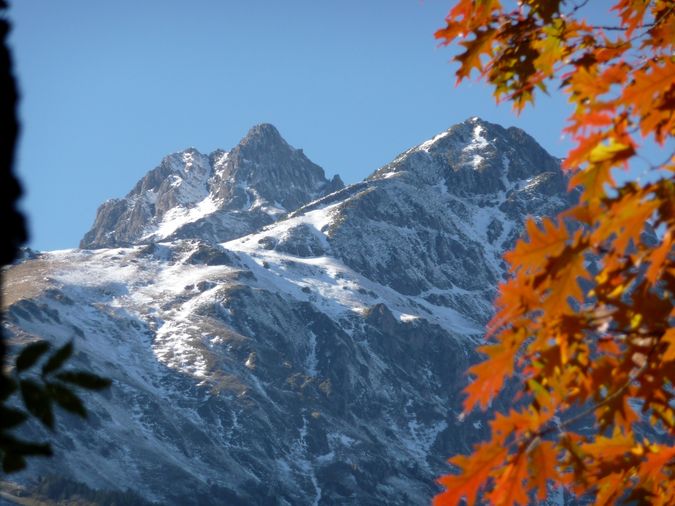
619	28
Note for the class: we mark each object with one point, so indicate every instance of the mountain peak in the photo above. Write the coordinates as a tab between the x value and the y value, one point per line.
264	135
476	157
263	129
216	197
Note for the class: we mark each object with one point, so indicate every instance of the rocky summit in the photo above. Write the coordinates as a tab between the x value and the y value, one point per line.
278	338
214	197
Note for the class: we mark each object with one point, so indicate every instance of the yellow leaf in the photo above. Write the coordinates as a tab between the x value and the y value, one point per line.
550	50
612	153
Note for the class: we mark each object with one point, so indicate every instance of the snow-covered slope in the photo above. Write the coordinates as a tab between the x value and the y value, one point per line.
317	359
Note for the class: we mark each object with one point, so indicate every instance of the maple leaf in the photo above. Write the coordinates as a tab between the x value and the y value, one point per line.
549	240
585	83
669	339
649	82
593	181
567	269
610	487
490	374
509	484
550	48
632	13
474	473
470	59
609	447
625	220
543	461
659	457
658	257
579	155
610	153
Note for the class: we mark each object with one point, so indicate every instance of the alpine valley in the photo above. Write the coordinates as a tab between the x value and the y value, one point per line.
275	337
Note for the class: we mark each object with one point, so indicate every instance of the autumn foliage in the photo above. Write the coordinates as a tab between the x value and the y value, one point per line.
584	324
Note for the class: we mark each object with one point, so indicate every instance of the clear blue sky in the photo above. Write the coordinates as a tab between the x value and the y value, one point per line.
110	87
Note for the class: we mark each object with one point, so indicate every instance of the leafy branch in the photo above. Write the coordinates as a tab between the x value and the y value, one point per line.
571	335
37	393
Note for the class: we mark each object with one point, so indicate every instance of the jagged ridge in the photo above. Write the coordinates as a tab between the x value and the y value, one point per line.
216	197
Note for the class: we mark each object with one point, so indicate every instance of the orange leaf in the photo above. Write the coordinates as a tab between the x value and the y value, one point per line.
579	155
593	180
669	338
657	459
449	32
490	374
585	84
658	257
517	423
632	13
475	48
516	296
609	488
604	448
543	460
509	486
625	220
647	84
475	471
565	284
543	242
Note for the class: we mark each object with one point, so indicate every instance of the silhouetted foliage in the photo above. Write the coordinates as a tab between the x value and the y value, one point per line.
38	392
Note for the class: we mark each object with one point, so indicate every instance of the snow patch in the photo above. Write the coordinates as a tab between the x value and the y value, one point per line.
312	361
477	143
180	216
426	145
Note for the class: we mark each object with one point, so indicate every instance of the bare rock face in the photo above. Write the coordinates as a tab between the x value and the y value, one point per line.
213	197
275	338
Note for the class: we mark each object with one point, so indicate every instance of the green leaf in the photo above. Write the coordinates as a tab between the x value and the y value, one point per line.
31	354
14	451
7	387
37	401
13	462
67	400
11	417
58	358
84	380
21	447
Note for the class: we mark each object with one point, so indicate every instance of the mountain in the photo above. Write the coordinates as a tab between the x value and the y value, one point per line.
218	196
301	342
